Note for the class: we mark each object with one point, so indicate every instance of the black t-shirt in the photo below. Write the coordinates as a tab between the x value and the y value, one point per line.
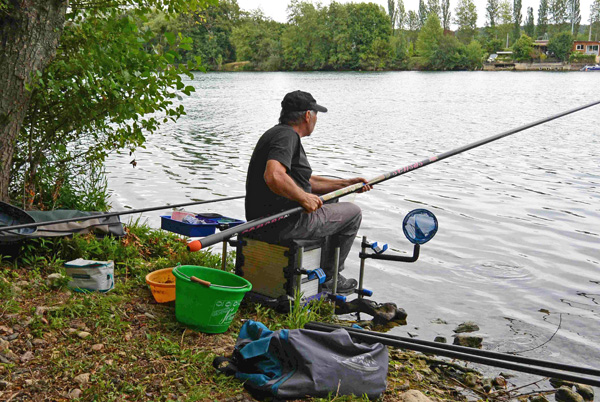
282	144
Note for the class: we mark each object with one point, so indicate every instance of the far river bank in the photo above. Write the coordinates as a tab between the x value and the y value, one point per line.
497	66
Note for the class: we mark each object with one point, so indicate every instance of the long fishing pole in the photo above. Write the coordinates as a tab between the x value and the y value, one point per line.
261	222
110	214
372	337
485	353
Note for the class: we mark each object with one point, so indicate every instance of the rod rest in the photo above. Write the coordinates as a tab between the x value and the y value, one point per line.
385	257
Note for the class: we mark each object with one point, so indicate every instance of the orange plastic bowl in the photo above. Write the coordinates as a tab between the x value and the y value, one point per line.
162	285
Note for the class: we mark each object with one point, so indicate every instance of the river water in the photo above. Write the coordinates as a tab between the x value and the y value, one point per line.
518	245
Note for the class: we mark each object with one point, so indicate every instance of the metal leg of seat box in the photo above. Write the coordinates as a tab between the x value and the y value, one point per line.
363	250
336	267
299	275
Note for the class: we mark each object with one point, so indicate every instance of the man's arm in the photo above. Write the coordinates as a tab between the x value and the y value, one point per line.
324	185
282	184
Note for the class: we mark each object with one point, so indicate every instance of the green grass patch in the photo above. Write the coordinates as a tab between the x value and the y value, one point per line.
122	345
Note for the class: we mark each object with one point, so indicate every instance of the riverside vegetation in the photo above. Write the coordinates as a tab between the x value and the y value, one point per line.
56	344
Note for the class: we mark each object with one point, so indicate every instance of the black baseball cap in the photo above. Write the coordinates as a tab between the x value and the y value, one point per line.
299	101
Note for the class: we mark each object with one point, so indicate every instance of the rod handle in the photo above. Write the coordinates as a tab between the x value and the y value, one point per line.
194	245
200	281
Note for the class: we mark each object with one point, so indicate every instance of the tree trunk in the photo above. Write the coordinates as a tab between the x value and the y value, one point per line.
29	35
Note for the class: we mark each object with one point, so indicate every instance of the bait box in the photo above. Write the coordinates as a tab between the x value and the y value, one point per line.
210	225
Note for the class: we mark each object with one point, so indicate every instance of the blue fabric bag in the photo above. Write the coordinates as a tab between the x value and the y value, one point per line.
299	363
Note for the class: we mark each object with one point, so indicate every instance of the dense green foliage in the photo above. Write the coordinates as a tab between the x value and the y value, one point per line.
523	48
361	36
114	79
338	37
257	40
430	37
561	45
364	36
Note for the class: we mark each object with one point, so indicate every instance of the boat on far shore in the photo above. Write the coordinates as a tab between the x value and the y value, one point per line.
595	67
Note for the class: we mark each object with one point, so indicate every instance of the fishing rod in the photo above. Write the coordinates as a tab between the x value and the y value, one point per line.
261	222
111	214
374	337
485	353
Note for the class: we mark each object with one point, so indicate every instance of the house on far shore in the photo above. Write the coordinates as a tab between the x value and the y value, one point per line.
541	45
580	46
587	47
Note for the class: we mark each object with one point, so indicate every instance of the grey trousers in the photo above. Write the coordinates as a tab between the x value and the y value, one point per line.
339	220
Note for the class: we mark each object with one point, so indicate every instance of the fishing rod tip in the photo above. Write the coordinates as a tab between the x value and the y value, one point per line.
194	245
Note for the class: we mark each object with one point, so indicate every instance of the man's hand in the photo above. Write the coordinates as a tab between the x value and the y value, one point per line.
366	187
311	202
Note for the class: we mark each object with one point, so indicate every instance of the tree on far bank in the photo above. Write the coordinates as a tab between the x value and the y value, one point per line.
258	40
392	12
474	55
542	26
448	55
491	13
529	23
211	30
446	14
422	13
493	45
429	37
574	16
433	7
523	48
413	27
451	54
561	45
466	19
517	17
594	19
558	15
506	17
338	37
400	15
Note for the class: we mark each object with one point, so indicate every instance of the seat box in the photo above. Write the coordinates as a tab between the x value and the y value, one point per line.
273	268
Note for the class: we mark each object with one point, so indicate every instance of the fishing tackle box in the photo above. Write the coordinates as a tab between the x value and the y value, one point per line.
208	225
89	275
276	270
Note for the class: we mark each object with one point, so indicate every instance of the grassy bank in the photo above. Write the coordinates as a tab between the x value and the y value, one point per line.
56	344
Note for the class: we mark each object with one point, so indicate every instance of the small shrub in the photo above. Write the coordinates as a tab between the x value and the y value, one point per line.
417	63
582	58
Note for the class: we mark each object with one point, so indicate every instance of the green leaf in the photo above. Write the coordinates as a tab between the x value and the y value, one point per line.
170	37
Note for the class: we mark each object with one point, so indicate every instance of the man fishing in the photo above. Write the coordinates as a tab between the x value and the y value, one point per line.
280	178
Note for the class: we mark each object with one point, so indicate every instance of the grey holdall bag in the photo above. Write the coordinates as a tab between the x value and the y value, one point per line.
299	363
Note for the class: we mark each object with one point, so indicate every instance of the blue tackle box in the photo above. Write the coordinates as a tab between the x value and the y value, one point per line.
210	223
